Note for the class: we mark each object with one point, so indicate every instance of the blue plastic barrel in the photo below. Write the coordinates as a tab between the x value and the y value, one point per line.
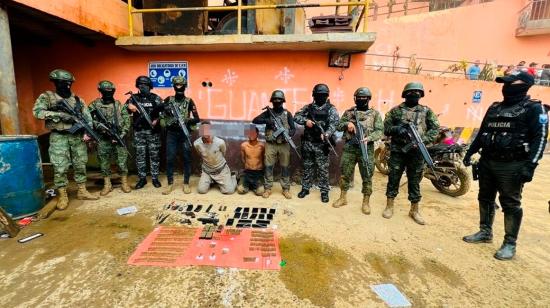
21	178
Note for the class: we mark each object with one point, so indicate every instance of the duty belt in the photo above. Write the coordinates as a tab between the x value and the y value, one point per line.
505	157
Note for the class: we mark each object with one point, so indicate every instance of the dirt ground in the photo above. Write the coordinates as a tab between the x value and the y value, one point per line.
333	255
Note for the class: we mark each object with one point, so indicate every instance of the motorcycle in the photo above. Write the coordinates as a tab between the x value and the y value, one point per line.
454	179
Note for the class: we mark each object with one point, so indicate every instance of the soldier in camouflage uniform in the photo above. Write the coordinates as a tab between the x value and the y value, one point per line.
400	159
145	136
66	149
373	129
315	150
117	117
277	149
174	136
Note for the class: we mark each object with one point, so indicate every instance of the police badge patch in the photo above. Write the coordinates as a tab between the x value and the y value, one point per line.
543	118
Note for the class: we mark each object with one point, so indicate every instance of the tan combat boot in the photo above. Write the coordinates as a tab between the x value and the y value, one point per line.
169	188
84	194
287	194
388	212
342	200
186	189
125	187
267	193
365	208
415	214
63	199
107	187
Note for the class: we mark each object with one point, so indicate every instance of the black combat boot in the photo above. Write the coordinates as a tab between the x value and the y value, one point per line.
156	183
141	183
304	192
324	197
512	222
486	218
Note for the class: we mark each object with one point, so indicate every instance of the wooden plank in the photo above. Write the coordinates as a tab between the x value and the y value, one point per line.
8	224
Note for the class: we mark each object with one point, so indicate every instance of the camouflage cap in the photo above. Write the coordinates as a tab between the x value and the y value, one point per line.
179	80
61	74
106	85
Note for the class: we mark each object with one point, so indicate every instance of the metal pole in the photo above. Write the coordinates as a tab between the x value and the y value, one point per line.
366	16
9	112
239	16
130	18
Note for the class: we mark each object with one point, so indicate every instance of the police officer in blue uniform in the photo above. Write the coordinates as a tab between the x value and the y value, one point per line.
511	140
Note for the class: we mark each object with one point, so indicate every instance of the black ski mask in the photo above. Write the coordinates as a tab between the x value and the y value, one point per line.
144	88
412	98
277	105
63	88
107	95
362	103
513	92
180	90
320	98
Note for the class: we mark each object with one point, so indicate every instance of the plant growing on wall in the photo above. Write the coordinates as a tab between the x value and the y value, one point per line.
487	72
413	67
461	66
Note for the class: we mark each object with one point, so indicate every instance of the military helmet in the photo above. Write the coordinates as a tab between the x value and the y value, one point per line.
320	88
144	80
106	85
413	86
179	80
277	94
362	91
61	74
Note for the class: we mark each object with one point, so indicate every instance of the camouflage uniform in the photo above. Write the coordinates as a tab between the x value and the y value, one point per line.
105	147
373	128
428	127
276	149
65	148
315	153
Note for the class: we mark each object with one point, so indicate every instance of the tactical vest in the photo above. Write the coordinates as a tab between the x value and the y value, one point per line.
183	109
417	116
283	117
504	132
320	116
109	111
56	123
366	119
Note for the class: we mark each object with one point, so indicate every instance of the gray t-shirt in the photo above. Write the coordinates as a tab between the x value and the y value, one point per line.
212	154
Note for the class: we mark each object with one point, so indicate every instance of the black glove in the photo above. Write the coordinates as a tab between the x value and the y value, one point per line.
526	172
467	161
399	131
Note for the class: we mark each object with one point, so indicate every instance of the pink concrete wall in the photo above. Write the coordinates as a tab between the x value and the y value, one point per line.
450	97
242	81
485	32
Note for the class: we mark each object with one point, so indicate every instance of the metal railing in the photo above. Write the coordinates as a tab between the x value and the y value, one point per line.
240	8
534	10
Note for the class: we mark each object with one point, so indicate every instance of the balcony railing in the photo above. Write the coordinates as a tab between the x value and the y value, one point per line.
534	18
239	8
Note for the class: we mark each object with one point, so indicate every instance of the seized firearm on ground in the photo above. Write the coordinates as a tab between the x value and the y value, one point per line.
140	108
280	129
110	129
78	118
361	136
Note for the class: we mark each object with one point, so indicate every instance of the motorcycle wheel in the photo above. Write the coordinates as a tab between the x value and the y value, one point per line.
381	161
461	187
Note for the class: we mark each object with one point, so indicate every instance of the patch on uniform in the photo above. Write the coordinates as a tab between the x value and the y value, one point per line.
543	118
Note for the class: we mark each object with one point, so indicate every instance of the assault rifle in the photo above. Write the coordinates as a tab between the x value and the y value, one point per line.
110	129
140	108
280	129
78	118
176	113
360	134
416	141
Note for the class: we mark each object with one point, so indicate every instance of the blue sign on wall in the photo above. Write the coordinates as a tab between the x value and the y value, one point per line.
477	97
161	73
